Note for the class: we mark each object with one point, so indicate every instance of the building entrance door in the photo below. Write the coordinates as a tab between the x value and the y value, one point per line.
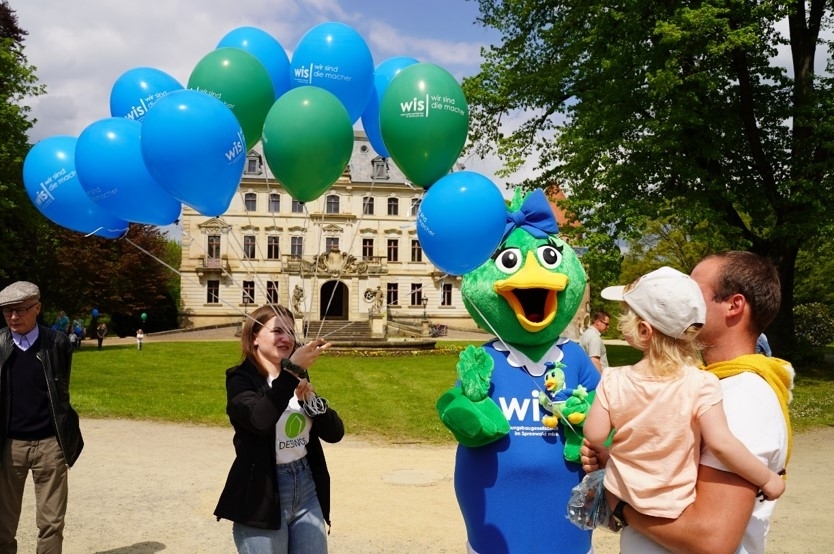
333	301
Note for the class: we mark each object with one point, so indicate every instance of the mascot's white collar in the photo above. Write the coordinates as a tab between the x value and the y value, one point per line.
517	358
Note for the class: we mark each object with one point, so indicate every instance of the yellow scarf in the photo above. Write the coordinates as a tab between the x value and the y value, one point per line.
778	374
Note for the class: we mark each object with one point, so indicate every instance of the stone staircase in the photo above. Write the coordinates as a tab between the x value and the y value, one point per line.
351	335
339	330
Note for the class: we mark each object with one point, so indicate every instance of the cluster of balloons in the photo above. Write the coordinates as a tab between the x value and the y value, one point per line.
166	144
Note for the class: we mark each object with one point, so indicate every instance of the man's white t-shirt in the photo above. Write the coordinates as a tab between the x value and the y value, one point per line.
755	418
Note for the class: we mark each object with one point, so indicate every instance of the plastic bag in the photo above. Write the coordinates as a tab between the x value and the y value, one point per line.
587	508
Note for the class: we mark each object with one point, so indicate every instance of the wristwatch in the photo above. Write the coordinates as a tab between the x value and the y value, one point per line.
296	370
617	516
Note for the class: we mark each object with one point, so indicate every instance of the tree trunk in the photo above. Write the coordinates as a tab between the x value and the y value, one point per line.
780	333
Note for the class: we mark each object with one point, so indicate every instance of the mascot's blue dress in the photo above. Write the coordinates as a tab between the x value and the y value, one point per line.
512	477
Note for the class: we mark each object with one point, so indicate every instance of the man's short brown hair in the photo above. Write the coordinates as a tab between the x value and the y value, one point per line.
754	277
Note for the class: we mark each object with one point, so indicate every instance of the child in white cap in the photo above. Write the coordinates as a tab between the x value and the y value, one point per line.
663	406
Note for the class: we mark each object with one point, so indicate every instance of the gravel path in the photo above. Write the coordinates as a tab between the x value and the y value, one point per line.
143	487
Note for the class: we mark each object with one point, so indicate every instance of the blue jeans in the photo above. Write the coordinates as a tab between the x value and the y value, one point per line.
302	523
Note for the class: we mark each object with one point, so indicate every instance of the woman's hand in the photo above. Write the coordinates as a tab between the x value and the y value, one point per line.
304	388
305	355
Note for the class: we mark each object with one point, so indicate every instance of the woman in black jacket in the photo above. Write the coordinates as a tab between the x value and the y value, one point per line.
278	489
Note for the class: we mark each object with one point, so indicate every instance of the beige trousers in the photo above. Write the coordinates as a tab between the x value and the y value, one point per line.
49	473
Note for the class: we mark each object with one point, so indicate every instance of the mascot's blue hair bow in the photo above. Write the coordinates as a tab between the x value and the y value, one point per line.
535	217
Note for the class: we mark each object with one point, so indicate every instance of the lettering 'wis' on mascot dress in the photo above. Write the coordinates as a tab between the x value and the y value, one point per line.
520	402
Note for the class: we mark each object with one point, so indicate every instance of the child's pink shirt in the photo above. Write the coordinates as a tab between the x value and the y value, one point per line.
654	456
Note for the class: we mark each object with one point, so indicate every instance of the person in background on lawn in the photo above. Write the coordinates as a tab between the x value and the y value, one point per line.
591	339
101	332
742	293
78	327
39	429
140	336
662	406
763	346
277	493
62	322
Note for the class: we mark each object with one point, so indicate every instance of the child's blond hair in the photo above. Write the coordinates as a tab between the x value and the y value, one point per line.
666	355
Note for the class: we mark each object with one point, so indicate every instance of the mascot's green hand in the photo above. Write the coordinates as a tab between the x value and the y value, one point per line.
472	417
472	423
475	371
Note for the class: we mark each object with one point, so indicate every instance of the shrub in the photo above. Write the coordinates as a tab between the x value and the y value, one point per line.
814	324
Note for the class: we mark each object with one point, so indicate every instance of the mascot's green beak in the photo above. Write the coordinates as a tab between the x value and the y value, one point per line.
531	293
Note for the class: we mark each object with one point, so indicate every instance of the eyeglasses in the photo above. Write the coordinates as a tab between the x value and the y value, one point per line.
606	323
19	312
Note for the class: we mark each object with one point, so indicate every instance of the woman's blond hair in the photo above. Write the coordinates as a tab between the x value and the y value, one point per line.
666	355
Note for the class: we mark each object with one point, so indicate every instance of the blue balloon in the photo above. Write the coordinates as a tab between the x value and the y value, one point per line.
266	49
95	312
194	147
333	56
385	71
138	89
461	221
51	181
108	158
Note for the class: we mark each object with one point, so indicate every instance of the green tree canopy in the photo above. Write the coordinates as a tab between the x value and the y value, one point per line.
814	270
664	243
650	110
20	222
122	278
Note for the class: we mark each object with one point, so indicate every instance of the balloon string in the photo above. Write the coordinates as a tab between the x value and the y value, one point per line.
186	277
226	230
357	226
258	276
485	319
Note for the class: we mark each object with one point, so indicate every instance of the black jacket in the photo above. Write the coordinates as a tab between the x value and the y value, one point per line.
250	496
55	354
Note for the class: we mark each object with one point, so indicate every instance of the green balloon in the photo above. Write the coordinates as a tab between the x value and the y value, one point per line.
144	316
241	81
424	120
307	141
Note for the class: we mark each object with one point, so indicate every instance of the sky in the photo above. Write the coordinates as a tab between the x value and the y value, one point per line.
81	47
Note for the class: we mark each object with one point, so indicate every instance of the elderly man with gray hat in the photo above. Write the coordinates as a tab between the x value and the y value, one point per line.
39	430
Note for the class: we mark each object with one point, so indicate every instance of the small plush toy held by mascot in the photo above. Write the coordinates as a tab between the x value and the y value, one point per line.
518	408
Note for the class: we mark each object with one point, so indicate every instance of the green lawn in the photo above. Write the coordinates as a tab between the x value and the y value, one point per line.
384	397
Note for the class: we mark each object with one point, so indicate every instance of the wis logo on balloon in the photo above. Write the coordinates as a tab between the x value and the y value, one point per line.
237	147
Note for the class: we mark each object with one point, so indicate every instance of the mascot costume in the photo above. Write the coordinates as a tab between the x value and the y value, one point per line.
518	408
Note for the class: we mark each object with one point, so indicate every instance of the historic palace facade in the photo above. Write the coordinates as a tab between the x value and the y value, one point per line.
351	254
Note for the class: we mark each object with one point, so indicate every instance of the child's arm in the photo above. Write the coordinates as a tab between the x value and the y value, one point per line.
717	435
597	427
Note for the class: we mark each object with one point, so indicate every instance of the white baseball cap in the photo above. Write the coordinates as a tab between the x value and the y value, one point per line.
670	301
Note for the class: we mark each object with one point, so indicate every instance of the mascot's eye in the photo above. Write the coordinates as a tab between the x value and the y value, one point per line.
509	260
549	256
